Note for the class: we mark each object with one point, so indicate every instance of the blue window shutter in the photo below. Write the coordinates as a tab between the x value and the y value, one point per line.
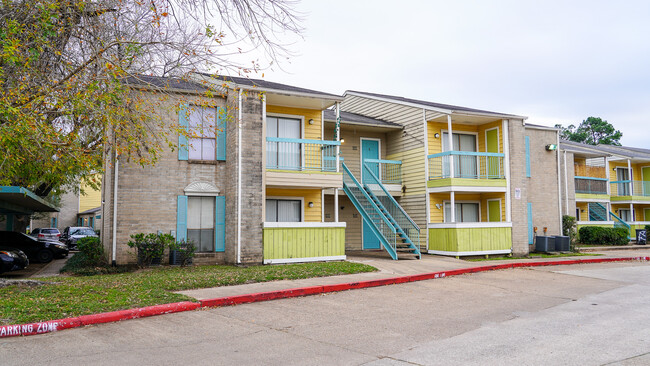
527	156
530	223
220	224
221	133
183	151
181	218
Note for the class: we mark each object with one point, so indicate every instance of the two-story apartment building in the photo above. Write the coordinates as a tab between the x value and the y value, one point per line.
607	185
272	173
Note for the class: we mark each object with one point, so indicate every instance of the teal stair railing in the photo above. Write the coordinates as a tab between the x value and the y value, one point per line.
597	212
618	222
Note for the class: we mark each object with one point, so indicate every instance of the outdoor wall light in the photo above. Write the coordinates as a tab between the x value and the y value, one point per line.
342	140
436	135
311	121
310	204
438	206
551	147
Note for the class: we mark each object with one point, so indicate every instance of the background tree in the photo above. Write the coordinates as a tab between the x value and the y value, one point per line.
64	101
592	131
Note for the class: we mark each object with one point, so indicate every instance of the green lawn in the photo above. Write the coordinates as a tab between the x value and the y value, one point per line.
74	296
532	255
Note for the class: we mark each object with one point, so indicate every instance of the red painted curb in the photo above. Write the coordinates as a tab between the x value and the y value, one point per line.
60	324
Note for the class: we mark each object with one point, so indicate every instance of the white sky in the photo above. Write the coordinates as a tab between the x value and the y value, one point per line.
553	61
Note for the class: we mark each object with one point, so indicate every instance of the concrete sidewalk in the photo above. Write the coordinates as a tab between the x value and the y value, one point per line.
386	268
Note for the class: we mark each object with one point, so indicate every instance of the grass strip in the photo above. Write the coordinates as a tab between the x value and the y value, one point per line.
73	296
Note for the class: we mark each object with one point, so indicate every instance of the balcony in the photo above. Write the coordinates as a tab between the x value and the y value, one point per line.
591	186
302	163
630	190
388	171
465	168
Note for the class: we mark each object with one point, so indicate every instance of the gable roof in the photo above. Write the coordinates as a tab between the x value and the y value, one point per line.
608	150
265	85
423	103
358	119
167	83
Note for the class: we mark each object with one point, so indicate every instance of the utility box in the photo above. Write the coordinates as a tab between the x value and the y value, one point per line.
641	236
562	243
544	244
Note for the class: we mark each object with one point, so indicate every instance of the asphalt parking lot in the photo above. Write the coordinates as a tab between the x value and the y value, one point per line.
590	314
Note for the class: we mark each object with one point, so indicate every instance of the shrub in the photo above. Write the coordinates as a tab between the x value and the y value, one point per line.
603	235
647	228
93	251
150	247
184	252
569	229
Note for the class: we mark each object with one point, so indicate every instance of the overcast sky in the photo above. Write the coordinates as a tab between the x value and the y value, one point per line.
553	61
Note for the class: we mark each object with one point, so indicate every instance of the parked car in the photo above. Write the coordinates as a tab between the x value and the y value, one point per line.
72	234
12	260
37	251
47	233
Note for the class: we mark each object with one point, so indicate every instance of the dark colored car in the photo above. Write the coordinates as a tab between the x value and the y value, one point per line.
72	234
37	251
46	233
12	260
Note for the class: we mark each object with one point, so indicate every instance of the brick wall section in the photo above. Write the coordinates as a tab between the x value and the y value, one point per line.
252	189
147	196
541	189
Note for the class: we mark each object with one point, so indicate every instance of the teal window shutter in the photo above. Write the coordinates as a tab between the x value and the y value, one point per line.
527	139
530	223
221	133
183	117
220	224
181	218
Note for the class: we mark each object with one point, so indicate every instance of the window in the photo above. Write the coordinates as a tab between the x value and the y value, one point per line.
465	212
200	223
202	126
283	210
624	214
465	166
283	155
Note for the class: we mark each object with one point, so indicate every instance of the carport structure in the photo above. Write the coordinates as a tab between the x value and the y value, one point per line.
17	202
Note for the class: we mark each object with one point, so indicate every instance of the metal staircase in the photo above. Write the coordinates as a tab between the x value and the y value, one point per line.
397	233
597	212
618	222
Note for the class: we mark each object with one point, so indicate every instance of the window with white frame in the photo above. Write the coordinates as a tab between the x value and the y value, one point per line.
202	126
283	210
280	154
200	222
465	212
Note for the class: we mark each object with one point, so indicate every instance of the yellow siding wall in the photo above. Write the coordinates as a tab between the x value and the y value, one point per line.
90	198
311	132
636	169
582	170
583	206
312	214
435	144
437	215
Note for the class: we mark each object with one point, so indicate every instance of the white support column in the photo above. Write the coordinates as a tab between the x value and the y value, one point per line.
450	135
607	175
264	157
559	184
452	204
506	167
566	186
629	174
336	205
322	205
632	212
338	168
426	168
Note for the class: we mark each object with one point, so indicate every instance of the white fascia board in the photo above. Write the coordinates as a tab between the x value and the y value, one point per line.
466	189
408	104
544	128
303	224
594	222
591	199
303	260
467	225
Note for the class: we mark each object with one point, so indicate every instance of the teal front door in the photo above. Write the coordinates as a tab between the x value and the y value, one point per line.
369	150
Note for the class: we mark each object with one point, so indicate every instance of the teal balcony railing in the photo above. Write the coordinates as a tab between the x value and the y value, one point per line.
301	154
622	188
466	164
588	185
388	171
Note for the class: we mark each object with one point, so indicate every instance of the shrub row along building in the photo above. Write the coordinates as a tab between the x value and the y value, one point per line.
271	173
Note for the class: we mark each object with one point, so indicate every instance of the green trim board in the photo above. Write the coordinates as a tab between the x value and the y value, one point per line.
629	198
589	196
303	242
466	182
302	171
470	239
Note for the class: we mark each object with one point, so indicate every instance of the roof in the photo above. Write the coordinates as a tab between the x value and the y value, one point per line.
423	103
358	119
22	201
609	150
531	125
92	210
271	86
160	82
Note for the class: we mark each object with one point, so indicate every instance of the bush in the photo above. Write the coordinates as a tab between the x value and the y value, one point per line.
647	228
184	252
603	235
93	251
569	229
150	247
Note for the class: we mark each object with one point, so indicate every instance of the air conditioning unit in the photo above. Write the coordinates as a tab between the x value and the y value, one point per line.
545	244
562	243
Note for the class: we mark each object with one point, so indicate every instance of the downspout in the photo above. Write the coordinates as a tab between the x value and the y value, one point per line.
239	158
566	185
559	180
115	179
338	151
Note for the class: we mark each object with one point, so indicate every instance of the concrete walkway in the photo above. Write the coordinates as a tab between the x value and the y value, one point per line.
386	268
